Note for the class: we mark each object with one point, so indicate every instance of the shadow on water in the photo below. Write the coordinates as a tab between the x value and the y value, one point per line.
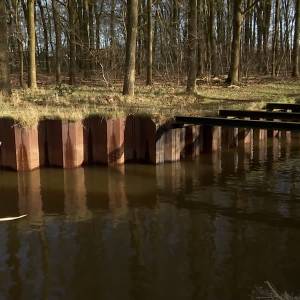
207	229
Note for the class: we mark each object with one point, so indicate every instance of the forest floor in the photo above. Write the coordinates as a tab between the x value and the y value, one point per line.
162	100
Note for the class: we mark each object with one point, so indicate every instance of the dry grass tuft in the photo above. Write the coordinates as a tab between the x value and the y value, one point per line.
161	101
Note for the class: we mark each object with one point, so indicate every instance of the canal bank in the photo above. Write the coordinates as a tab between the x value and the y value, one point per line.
133	139
95	140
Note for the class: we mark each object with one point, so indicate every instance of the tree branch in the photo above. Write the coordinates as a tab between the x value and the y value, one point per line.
250	7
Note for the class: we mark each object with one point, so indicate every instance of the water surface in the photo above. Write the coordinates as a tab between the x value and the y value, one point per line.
213	228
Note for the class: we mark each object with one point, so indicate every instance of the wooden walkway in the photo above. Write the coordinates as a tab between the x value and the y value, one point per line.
283	106
269	119
260	114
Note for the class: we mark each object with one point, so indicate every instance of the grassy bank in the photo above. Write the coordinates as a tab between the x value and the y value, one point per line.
161	100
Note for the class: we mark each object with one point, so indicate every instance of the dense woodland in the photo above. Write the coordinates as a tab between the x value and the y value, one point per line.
165	39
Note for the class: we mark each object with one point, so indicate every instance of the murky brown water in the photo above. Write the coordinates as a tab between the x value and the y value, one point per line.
207	229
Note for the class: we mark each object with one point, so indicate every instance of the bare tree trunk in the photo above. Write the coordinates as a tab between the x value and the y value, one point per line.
72	49
46	38
91	24
296	41
192	47
57	28
155	35
97	31
233	76
174	26
84	28
259	25
132	20
98	8
139	53
266	32
112	33
247	33
19	38
21	64
149	42
32	43
5	88
200	54
91	34
275	38
212	40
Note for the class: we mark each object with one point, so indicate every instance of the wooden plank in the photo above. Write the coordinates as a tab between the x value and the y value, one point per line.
284	106
259	114
217	121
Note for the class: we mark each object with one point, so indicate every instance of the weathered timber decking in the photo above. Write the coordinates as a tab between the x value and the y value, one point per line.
238	123
283	106
261	114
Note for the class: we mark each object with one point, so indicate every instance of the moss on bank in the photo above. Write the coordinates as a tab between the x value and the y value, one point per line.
159	101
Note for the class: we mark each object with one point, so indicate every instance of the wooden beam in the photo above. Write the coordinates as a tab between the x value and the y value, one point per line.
260	114
237	123
284	106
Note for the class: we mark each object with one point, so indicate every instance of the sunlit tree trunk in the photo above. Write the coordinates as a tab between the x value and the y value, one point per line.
19	38
275	45
247	33
57	27
132	20
259	45
192	47
140	35
155	35
174	20
32	44
212	40
266	32
21	64
83	35
97	21
46	38
91	24
296	41
233	76
72	47
112	33
5	88
149	42
201	42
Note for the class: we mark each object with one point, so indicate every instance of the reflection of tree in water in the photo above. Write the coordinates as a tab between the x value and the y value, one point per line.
13	262
62	251
30	200
96	182
22	157
69	151
201	255
9	194
75	195
52	191
116	191
138	270
9	272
